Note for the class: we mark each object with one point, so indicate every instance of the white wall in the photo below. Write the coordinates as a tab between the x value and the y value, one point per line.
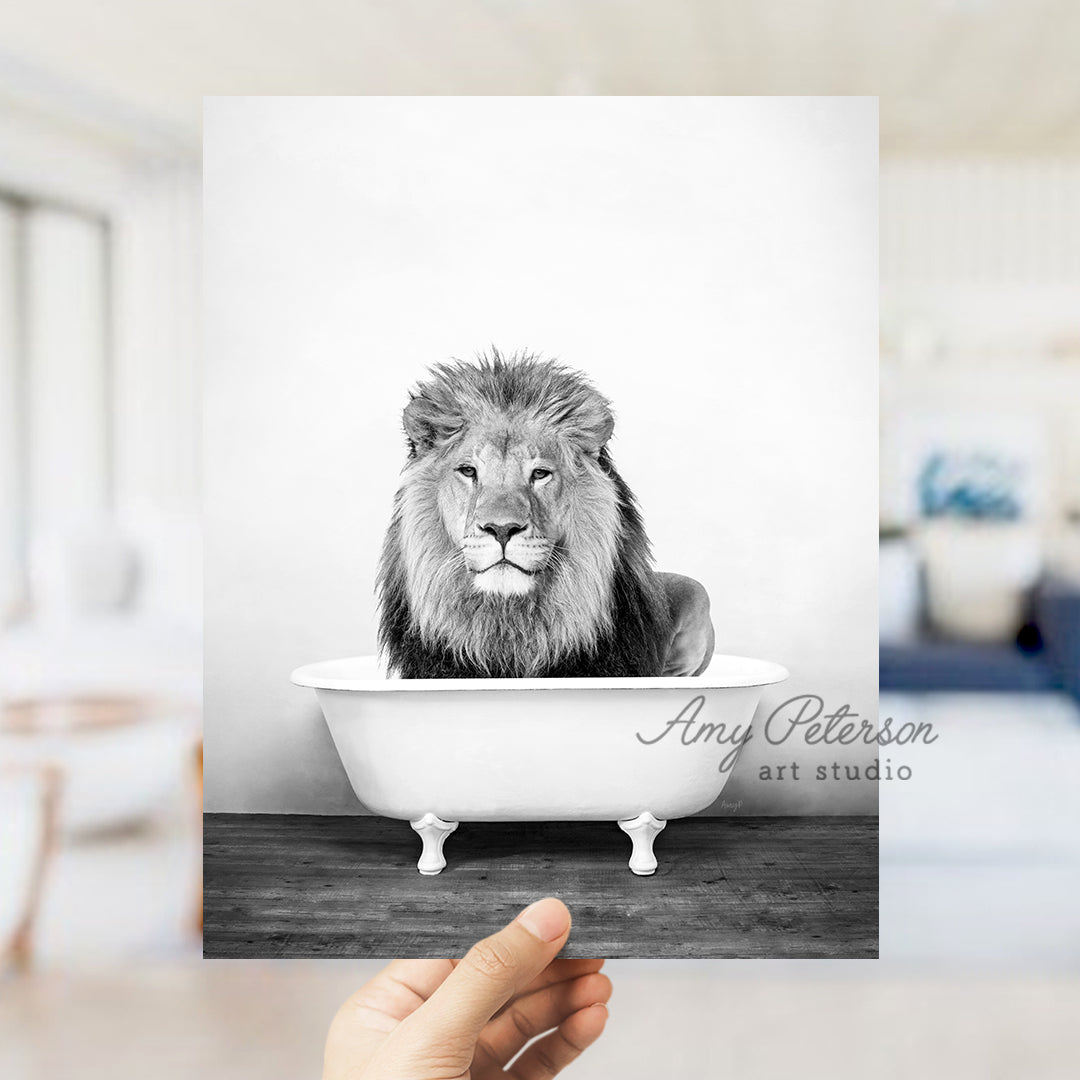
711	263
158	389
981	319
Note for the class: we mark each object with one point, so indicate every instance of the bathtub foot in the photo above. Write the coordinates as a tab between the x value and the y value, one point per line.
643	830
433	831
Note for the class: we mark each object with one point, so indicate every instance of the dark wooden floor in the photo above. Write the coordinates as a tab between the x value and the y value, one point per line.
299	886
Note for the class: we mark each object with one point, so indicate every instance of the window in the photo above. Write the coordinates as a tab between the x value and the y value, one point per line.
55	379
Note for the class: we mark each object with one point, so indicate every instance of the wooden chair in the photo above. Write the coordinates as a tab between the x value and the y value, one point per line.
17	951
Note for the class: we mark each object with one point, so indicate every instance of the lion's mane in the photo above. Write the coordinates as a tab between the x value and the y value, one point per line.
601	611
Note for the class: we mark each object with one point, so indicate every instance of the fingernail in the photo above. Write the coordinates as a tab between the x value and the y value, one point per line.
547	919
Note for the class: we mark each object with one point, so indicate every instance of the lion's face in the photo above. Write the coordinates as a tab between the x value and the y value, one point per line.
501	498
524	510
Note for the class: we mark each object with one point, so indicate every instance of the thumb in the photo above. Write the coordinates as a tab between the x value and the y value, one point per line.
492	972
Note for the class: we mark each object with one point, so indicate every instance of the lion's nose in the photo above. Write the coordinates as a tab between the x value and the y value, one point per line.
503	532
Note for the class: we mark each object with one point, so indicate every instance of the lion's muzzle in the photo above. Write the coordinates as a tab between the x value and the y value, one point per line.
505	557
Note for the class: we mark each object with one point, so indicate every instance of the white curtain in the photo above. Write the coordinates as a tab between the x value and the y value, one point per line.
67	406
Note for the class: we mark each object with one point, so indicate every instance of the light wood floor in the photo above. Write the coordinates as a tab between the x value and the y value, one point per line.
684	1021
302	886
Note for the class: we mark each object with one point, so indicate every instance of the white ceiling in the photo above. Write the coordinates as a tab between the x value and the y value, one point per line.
954	76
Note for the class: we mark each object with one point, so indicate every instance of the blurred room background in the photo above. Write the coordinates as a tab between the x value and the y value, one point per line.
100	110
980	554
100	581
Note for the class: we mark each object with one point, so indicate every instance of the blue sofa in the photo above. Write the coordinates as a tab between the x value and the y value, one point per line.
1046	657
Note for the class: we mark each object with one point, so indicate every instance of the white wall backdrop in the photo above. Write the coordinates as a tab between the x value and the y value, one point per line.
711	263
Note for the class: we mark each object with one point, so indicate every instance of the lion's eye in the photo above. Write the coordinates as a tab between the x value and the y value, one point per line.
540	474
468	471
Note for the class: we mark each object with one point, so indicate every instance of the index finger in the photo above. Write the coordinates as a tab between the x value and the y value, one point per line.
558	971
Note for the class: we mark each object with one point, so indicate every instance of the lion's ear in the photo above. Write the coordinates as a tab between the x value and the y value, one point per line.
427	425
592	426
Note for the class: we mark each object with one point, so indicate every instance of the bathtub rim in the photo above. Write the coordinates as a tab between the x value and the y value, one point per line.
336	675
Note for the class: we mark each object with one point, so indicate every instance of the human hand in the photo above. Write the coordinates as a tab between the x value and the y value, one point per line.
466	1019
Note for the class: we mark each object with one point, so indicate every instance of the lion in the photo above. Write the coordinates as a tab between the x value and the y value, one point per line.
515	548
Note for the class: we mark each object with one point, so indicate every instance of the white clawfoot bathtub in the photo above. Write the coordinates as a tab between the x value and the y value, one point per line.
436	752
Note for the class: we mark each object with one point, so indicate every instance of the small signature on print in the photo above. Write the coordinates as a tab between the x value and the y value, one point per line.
803	716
